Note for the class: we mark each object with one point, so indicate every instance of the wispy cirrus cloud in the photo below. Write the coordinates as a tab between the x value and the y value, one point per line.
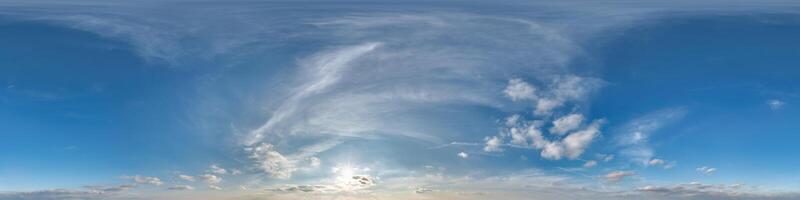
633	137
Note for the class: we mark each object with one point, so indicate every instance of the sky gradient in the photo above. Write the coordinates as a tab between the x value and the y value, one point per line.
399	100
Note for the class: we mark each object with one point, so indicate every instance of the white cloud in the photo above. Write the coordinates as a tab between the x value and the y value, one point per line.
314	162
577	142
572	146
518	89
211	179
214	187
552	151
463	155
271	161
111	189
662	163
545	106
144	180
633	137
655	162
186	177
493	144
775	104
617	176
217	170
518	137
590	164
706	170
563	89
605	157
706	191
181	187
567	123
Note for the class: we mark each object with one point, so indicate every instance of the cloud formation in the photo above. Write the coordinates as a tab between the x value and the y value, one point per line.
617	176
706	170
144	180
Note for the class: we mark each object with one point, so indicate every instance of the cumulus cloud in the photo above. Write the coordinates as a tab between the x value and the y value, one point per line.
186	177
211	179
576	143
775	104
571	146
566	123
518	89
706	170
493	144
144	180
181	187
617	176
463	155
563	89
271	161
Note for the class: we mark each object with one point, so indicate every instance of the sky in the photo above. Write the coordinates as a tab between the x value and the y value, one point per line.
249	100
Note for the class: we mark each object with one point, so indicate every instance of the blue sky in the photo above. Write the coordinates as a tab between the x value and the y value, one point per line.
391	100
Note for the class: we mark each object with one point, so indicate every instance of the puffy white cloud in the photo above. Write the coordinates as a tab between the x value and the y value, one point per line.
271	161
576	143
181	187
553	151
590	164
518	89
493	144
572	146
518	137
706	170
617	176
144	180
217	170
545	106
186	177
775	104
463	155
211	179
566	123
